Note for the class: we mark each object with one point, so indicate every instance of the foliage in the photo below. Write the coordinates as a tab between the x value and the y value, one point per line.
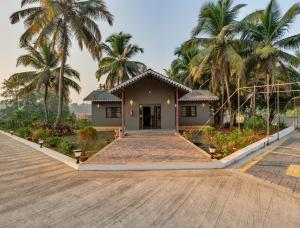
117	66
81	124
44	62
255	123
61	21
86	136
280	125
24	132
53	141
209	131
40	134
188	135
68	146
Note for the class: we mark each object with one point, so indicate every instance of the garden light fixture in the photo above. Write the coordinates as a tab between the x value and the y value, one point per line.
77	154
212	151
11	132
41	142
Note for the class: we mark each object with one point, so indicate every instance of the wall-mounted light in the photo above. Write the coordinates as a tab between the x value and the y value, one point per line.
203	105
149	92
131	102
98	105
168	102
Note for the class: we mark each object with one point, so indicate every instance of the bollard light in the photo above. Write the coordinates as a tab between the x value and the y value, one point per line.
77	154
41	142
212	151
11	132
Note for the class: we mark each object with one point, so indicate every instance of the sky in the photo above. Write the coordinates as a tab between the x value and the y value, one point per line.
158	26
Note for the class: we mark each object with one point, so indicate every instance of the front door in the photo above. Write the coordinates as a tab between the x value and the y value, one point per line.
150	117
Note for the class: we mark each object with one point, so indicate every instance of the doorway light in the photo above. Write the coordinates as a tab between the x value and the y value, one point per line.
168	102
131	102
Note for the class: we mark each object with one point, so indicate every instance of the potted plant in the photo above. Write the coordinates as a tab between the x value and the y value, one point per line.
87	136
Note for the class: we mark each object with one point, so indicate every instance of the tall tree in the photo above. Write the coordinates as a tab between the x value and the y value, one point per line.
60	21
218	54
45	74
117	66
265	30
181	67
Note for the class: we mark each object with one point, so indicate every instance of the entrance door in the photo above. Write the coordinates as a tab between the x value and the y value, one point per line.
150	117
147	118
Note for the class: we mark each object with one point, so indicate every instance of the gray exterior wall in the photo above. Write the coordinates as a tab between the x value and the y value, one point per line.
203	114
99	115
160	93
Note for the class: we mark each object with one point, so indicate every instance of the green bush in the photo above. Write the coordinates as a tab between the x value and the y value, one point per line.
280	125
24	132
40	134
67	145
188	135
209	131
255	122
81	124
53	141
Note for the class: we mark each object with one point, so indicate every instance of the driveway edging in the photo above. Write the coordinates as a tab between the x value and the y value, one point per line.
223	163
51	153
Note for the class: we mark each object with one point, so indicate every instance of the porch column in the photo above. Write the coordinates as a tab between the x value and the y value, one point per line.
177	110
123	113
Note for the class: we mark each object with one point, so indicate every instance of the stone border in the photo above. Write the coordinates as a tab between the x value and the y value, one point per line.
242	153
51	153
223	163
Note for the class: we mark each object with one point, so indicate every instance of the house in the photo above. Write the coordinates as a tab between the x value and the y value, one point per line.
150	101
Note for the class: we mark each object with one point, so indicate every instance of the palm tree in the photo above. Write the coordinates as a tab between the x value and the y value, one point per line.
117	65
60	21
265	30
45	75
181	67
218	49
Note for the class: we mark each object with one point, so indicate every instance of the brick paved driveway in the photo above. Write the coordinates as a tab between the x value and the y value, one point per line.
275	164
135	149
38	191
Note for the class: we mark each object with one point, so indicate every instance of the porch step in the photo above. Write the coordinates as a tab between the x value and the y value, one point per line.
150	132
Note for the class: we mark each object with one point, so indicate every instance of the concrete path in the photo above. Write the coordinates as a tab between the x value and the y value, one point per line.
279	164
37	191
149	149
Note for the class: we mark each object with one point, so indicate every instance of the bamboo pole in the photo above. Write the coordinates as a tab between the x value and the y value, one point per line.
268	106
239	106
278	112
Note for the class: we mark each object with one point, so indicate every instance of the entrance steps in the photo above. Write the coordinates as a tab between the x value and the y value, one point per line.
150	132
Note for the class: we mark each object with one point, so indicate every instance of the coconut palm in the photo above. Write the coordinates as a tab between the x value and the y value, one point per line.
218	48
266	30
117	66
45	74
181	67
60	21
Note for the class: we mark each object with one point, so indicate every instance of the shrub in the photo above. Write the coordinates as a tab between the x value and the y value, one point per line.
87	136
53	141
40	134
24	132
280	125
188	135
255	122
209	131
67	145
81	124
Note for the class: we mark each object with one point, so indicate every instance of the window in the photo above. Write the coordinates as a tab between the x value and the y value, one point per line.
113	112
188	111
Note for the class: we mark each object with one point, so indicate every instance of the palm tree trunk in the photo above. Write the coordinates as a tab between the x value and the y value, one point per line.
46	105
61	78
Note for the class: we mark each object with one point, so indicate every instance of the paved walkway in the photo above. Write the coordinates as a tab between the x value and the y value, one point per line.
37	191
279	164
148	149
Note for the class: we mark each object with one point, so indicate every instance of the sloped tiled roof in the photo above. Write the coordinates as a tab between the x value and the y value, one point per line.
102	96
199	95
150	73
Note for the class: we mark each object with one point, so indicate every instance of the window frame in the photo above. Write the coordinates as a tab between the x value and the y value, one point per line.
184	113
117	112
